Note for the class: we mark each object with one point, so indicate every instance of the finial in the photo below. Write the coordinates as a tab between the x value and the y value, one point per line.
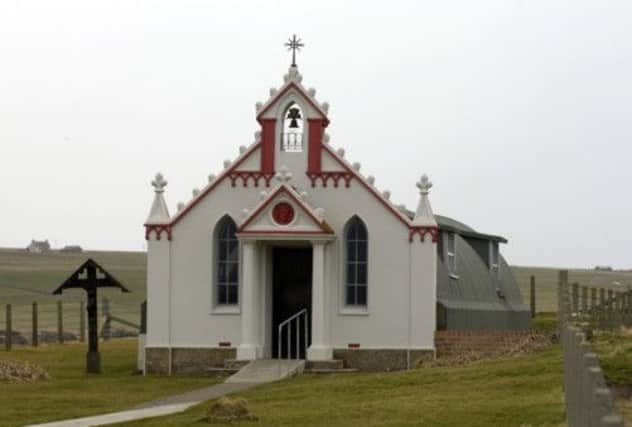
242	149
424	185
311	92
325	107
257	135
294	44
258	106
320	212
371	179
180	206
386	194
263	195
326	138
226	164
273	91
211	177
283	175
357	166
195	192
159	183
341	152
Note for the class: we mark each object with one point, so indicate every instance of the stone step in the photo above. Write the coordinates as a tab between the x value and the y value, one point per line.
266	370
235	364
325	364
331	371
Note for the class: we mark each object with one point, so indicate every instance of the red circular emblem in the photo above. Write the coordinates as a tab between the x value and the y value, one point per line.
283	213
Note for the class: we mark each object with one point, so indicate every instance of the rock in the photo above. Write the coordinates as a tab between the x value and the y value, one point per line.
13	371
227	409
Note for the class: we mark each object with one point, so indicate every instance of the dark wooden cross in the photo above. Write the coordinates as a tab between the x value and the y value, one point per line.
294	44
90	276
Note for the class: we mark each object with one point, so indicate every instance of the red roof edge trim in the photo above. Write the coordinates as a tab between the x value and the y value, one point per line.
368	187
279	94
215	183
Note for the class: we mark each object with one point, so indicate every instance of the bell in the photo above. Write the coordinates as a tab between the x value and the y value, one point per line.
294	114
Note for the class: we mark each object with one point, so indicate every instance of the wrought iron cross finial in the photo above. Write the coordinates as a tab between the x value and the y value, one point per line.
294	44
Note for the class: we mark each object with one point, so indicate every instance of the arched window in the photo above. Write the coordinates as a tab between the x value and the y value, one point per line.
293	126
357	255
226	262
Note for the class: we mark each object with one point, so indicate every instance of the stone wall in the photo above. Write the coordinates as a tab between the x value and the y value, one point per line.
186	360
381	359
450	343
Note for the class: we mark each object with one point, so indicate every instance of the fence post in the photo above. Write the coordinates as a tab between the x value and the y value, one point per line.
106	331
82	321
610	306
584	299
60	322
593	298
8	330
35	335
532	295
575	297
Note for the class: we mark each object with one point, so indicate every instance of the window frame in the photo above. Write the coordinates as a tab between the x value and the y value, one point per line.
451	259
355	308
226	307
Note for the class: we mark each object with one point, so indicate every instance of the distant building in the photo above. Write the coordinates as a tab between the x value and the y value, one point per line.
71	249
603	268
38	246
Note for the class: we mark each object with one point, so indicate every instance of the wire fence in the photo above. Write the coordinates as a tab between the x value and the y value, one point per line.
42	322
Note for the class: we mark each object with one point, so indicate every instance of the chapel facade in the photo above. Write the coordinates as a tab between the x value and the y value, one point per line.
291	252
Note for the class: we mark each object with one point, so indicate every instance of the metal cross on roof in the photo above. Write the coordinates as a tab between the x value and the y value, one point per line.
294	44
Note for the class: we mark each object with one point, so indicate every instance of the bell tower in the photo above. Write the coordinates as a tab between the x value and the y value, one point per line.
292	123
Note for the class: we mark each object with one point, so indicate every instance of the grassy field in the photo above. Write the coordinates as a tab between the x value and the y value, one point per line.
546	283
72	393
507	392
25	278
517	391
615	357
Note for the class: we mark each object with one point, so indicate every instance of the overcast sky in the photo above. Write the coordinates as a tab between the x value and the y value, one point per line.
520	111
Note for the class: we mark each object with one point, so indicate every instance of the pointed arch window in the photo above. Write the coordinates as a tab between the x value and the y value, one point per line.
293	127
357	251
226	263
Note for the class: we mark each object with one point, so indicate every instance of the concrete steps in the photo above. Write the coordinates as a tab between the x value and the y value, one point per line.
266	370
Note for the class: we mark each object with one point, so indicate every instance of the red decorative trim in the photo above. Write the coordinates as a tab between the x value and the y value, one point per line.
283	213
367	186
268	127
215	183
314	154
247	175
334	176
279	94
353	345
224	343
271	197
157	229
422	231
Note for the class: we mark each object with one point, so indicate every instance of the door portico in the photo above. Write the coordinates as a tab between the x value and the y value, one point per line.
257	342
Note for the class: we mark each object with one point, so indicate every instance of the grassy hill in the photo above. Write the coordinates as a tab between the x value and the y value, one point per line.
26	277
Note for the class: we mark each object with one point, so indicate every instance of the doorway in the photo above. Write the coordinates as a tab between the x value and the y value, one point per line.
291	293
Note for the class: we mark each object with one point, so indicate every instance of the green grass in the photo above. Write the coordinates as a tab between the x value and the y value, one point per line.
503	392
72	393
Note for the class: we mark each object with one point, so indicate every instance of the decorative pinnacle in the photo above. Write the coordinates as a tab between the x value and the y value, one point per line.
159	183
283	175
424	185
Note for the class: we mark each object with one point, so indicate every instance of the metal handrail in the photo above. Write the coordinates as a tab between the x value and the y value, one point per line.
288	323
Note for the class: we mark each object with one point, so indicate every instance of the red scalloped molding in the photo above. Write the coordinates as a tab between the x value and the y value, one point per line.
158	229
325	177
246	176
422	231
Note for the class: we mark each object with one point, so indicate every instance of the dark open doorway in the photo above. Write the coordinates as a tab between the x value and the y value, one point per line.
292	292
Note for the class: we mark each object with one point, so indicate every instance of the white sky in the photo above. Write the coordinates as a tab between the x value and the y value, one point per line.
520	111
